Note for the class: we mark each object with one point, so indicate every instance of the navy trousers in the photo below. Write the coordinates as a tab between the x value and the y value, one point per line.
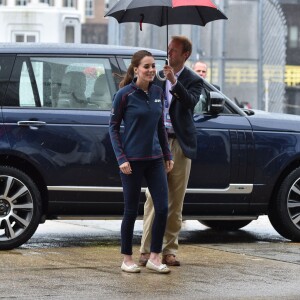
154	173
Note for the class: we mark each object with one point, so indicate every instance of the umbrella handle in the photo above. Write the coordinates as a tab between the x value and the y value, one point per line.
159	77
157	73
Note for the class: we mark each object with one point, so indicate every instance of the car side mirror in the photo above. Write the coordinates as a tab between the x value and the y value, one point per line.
215	103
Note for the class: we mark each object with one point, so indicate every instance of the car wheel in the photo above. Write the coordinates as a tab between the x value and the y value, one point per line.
226	225
284	212
20	208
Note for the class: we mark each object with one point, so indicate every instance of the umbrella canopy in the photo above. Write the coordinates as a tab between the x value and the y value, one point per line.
166	12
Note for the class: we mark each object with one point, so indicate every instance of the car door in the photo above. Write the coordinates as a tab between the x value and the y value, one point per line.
222	174
56	119
6	64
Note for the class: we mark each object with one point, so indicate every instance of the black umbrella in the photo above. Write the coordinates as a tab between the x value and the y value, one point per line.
166	12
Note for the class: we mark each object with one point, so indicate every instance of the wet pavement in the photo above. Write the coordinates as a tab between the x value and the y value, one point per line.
81	260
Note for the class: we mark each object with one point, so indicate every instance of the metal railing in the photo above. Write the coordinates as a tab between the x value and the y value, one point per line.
238	73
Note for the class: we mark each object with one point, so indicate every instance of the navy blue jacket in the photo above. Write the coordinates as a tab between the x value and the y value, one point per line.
144	135
186	94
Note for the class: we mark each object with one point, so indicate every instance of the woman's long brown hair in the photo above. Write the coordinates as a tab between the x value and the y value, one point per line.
135	62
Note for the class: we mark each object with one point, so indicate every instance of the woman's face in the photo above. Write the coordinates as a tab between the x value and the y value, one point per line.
145	72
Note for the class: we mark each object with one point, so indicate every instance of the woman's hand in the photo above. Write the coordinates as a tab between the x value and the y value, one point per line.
125	168
169	165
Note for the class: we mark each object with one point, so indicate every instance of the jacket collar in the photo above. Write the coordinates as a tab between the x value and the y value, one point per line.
133	84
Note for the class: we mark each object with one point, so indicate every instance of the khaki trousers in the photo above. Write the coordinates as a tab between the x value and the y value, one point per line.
177	184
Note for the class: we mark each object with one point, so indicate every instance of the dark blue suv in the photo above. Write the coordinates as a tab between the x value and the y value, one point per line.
56	159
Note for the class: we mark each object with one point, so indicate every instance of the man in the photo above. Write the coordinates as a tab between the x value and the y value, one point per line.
182	91
200	68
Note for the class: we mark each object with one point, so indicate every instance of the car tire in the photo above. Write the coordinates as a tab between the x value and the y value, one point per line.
284	213
226	225
20	208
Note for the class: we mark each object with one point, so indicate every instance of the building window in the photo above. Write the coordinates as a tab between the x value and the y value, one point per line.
70	3
293	36
50	2
27	37
89	8
21	2
70	34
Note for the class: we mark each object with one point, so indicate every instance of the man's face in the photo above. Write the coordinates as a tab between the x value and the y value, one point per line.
176	55
200	69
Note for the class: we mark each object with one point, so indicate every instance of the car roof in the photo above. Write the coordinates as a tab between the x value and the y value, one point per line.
68	48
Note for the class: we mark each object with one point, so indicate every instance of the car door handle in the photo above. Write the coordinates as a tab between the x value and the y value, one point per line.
31	124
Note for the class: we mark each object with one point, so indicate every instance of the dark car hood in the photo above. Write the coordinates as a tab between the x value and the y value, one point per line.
266	121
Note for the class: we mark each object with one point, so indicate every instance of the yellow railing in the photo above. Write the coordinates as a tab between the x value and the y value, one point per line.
237	73
292	75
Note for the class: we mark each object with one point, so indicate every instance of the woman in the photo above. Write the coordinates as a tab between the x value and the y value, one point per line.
141	154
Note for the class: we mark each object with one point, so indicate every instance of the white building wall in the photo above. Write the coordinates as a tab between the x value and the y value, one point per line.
47	24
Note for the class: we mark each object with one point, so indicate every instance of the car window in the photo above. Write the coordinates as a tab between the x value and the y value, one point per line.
61	82
202	105
26	92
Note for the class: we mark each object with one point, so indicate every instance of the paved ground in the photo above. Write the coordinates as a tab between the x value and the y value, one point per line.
81	260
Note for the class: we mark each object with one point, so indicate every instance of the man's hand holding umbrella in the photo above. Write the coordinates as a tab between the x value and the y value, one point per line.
169	74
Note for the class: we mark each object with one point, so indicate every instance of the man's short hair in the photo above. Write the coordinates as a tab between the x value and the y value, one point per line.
200	62
186	43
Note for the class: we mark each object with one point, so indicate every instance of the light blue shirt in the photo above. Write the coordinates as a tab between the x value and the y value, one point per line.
168	100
